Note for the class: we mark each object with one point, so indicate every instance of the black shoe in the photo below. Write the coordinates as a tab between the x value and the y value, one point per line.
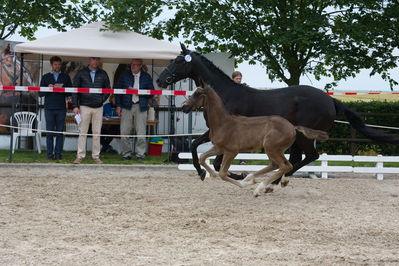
50	157
126	158
140	158
110	150
58	157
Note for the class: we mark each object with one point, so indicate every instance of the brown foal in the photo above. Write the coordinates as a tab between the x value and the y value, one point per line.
231	134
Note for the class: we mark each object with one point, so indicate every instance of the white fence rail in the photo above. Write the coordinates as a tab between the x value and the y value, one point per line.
324	168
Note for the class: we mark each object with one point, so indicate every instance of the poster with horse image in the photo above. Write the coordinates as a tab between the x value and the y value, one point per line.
10	75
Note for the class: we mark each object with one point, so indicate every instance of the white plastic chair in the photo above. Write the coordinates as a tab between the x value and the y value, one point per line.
24	121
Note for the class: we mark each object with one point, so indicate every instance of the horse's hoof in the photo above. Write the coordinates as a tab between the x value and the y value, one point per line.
284	183
202	174
244	175
235	176
259	190
269	190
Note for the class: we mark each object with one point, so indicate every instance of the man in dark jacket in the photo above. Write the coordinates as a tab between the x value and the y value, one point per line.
90	107
55	107
133	108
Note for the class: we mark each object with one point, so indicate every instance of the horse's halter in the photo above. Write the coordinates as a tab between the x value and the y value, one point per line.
169	80
194	101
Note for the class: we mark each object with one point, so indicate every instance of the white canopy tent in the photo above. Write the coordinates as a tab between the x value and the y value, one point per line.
112	47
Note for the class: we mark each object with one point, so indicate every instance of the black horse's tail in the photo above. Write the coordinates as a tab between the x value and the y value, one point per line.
357	123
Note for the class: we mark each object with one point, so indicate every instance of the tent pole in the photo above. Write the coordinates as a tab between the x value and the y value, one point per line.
172	106
14	81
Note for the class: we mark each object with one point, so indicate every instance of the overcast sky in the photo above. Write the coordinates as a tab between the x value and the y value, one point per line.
255	76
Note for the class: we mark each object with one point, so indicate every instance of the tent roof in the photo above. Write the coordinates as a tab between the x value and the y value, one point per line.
89	40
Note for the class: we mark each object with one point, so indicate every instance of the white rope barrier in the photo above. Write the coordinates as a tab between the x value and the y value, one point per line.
376	126
100	135
149	136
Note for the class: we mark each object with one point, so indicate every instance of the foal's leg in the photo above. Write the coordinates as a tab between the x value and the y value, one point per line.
217	163
295	159
284	166
223	173
212	151
250	179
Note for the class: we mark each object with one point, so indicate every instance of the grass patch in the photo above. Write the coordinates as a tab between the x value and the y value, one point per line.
28	156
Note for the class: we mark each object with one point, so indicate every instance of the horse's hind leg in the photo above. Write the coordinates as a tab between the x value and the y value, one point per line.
295	158
212	151
251	178
311	154
284	166
202	139
218	162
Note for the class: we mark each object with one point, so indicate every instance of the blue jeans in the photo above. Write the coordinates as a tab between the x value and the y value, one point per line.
55	121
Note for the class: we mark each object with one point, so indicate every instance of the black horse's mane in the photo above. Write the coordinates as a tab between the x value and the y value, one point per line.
212	67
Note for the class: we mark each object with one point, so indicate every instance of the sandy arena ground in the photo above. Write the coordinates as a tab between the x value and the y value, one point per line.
89	215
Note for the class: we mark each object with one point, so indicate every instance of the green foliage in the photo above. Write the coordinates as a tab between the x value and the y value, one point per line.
25	17
290	38
373	113
365	37
136	15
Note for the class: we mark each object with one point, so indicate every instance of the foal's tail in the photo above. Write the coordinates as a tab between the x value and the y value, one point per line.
357	123
312	133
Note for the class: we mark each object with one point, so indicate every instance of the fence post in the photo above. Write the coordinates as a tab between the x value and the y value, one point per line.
324	163
380	165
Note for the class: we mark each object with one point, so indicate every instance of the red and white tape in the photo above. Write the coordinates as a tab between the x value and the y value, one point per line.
95	90
143	92
361	93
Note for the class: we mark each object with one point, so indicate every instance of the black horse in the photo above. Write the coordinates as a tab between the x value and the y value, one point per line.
301	105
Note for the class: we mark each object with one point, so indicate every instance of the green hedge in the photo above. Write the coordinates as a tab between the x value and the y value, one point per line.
367	111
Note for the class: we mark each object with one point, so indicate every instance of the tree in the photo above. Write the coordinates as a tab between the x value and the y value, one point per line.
290	38
136	15
25	16
293	38
334	38
368	36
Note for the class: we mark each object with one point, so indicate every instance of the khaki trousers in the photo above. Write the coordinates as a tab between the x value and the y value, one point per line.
95	117
138	119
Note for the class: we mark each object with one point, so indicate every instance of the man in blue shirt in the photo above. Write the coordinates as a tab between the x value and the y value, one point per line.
55	107
133	108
